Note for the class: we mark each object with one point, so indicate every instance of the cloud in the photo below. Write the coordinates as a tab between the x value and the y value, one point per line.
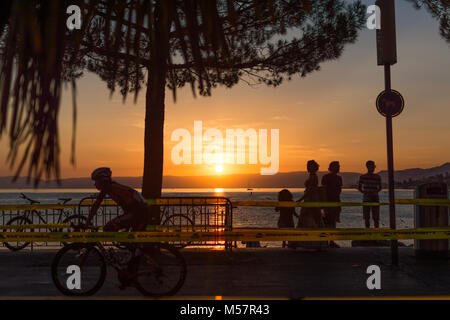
280	118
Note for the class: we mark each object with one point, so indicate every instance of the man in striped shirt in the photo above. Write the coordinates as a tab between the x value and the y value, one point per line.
370	184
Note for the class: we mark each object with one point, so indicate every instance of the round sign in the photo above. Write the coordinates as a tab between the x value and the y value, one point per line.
390	103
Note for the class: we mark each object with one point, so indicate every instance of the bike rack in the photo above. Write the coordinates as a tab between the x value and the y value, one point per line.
200	214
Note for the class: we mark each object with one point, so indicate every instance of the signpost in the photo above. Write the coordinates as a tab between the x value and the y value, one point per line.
390	103
386	36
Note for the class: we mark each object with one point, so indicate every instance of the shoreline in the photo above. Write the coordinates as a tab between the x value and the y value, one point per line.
182	190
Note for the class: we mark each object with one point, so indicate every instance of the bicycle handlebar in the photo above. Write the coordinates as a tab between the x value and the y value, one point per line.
31	201
23	196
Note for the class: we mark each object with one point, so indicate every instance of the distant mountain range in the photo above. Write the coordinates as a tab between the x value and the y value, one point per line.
417	173
280	180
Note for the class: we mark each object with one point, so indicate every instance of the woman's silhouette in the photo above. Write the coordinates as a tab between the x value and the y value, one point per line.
311	217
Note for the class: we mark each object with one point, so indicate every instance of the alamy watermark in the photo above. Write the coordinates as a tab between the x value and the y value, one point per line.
74	279
228	148
74	20
374	280
374	19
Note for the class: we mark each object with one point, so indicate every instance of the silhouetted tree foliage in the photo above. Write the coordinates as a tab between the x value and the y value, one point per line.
439	9
37	55
156	44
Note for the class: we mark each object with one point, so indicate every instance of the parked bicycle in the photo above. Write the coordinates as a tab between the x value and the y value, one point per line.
155	269
62	216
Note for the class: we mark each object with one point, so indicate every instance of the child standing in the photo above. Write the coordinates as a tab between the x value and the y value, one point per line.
286	219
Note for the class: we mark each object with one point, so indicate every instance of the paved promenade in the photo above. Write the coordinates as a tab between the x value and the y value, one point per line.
265	272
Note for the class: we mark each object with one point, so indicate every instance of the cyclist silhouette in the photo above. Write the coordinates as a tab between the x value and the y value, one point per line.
136	212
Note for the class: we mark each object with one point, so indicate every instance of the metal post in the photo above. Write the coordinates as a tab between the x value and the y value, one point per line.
390	160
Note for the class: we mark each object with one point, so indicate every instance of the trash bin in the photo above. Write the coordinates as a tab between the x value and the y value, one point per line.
431	216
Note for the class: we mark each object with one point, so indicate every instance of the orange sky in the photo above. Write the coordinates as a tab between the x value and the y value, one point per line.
329	115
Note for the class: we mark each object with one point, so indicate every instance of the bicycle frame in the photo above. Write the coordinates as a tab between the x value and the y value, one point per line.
29	214
113	259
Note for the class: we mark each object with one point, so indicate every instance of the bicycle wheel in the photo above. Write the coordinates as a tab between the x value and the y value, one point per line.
18	221
161	270
179	220
82	257
75	219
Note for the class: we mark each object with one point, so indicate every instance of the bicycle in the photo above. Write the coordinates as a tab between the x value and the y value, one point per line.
179	220
27	218
146	266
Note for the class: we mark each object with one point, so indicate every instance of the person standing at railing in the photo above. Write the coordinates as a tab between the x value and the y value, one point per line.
311	217
370	185
333	188
286	219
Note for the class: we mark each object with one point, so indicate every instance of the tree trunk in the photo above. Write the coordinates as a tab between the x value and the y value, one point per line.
154	137
154	104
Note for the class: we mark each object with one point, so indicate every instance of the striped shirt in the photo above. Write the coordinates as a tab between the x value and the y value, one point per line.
370	184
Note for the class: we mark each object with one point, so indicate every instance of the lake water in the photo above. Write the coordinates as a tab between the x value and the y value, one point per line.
351	217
